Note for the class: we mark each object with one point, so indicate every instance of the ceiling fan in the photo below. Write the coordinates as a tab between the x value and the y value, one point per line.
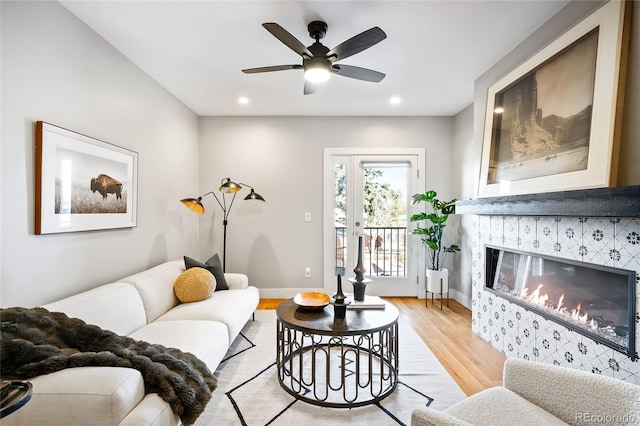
318	61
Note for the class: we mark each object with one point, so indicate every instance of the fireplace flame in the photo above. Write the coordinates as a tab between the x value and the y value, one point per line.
560	302
535	297
576	315
540	299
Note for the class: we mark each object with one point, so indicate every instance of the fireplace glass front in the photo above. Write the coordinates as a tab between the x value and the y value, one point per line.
596	301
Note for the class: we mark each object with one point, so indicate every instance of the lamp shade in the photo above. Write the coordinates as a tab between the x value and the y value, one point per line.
229	187
194	204
254	196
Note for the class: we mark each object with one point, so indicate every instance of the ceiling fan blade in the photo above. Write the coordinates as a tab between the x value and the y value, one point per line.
272	68
356	44
285	37
358	73
310	88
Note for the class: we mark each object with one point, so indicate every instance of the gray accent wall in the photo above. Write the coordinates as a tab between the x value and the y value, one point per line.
282	158
464	152
629	165
468	153
55	69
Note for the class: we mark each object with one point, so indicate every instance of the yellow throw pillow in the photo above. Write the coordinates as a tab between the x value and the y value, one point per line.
194	284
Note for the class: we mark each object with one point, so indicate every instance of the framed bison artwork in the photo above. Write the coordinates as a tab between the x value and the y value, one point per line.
82	184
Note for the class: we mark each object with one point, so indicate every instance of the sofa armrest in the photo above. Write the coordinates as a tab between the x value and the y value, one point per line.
236	281
152	410
574	396
425	416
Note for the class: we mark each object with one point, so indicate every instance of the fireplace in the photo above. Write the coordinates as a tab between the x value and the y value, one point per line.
594	300
600	227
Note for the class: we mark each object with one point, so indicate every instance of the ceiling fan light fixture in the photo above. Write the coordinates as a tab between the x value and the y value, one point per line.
317	70
318	61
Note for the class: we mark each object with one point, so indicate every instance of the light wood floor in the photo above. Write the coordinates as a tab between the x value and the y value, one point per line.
473	363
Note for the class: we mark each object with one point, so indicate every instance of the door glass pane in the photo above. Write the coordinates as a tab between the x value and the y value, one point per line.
385	187
340	216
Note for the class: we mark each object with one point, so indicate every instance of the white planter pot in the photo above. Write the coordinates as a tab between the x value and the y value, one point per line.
435	279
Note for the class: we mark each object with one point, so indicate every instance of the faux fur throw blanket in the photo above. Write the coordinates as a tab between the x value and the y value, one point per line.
36	341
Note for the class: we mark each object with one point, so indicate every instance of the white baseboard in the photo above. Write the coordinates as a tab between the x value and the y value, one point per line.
461	298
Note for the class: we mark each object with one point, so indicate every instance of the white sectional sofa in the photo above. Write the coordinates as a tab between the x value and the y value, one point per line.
144	307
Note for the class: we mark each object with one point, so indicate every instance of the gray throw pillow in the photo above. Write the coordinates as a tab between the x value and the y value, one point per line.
212	265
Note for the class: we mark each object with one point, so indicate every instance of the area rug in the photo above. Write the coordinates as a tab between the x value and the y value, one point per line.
248	391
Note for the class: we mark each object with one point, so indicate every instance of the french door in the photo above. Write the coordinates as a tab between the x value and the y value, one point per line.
368	202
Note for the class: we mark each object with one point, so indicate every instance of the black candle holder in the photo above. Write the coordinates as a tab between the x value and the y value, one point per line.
340	301
359	281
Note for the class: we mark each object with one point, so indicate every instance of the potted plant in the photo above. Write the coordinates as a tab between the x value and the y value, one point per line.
431	236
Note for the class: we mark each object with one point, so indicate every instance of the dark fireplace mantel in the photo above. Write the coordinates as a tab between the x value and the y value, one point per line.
601	202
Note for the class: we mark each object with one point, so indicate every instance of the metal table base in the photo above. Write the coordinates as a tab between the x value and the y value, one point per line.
338	370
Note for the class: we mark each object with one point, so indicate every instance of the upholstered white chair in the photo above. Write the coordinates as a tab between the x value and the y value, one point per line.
541	394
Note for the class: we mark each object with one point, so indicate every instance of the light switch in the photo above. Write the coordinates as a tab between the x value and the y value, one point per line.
307	216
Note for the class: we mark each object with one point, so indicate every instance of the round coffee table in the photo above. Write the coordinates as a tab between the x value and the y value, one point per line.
337	363
15	394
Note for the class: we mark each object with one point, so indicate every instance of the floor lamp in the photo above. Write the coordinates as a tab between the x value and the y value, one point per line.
227	186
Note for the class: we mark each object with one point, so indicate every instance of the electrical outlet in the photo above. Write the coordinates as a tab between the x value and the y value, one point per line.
307	272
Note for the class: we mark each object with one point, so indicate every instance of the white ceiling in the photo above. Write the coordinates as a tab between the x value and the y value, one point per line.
433	52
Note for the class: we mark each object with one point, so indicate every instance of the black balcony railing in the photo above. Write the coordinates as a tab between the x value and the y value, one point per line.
384	250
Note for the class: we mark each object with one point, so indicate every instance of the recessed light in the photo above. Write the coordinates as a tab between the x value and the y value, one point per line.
395	100
242	100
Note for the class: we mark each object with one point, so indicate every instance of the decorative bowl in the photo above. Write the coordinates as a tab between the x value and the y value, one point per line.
312	300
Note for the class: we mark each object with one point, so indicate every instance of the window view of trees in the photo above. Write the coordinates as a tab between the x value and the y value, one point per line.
383	205
384	216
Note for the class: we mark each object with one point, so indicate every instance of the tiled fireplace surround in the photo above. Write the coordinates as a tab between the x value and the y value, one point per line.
607	234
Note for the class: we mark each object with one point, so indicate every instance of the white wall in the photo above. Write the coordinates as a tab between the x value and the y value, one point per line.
56	69
282	158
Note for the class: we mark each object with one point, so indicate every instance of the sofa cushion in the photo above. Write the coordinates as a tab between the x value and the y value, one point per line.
194	285
207	340
231	307
213	265
156	287
89	395
499	406
116	307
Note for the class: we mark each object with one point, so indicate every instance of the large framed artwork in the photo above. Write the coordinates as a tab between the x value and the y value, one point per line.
553	123
82	184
